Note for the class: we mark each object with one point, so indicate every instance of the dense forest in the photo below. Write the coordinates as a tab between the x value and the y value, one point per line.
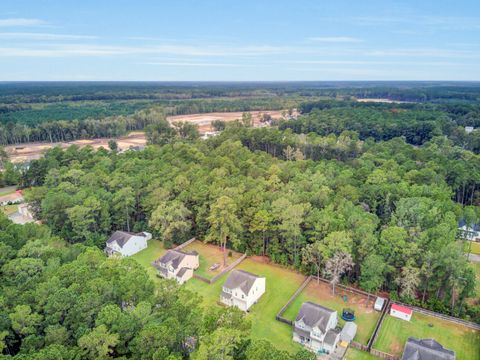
388	205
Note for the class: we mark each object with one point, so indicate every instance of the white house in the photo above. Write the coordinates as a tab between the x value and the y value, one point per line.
126	244
242	289
177	265
469	231
314	328
401	312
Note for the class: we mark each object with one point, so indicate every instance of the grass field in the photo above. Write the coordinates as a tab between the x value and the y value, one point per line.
395	332
210	254
354	354
321	293
475	248
280	285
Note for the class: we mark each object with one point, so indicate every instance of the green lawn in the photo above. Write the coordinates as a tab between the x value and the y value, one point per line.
354	354
321	293
395	332
475	248
280	285
145	257
210	254
8	209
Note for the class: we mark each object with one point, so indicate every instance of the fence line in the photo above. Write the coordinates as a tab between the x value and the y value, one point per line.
466	323
279	316
378	326
384	355
228	268
188	242
201	278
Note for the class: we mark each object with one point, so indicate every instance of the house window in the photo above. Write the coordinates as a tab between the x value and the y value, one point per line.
243	297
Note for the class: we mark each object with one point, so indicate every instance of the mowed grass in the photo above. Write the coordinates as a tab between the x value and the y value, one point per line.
321	293
281	283
354	354
145	257
475	248
210	254
395	332
9	209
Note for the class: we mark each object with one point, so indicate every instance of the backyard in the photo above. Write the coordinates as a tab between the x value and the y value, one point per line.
321	293
211	258
145	257
355	354
395	332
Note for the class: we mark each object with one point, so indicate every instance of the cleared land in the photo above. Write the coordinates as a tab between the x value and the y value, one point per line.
145	257
31	151
209	255
321	293
474	247
395	332
204	121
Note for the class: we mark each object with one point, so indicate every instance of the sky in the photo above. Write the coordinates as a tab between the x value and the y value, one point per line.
241	40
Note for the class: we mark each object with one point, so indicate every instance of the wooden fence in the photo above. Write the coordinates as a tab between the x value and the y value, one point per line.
219	275
279	316
188	242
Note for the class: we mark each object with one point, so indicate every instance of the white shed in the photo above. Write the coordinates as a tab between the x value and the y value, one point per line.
401	312
348	332
379	303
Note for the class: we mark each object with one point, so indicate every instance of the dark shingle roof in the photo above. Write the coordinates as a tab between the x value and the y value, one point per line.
426	349
182	271
314	315
120	237
473	227
241	279
331	336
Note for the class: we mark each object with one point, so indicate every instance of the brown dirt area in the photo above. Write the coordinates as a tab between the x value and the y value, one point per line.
31	151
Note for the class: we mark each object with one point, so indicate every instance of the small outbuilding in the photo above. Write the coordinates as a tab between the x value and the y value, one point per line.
348	332
379	304
401	312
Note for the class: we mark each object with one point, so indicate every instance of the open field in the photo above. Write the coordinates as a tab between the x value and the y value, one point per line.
321	293
31	151
474	247
354	354
395	332
204	121
210	254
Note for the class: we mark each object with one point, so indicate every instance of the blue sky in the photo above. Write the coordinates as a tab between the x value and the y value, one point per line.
239	40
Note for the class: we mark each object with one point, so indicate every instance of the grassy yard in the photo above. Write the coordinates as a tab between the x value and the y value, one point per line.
395	332
281	284
145	257
210	254
354	354
475	247
321	293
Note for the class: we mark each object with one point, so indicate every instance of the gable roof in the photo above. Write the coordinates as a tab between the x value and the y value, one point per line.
426	349
402	309
174	257
241	279
121	237
471	227
314	315
331	337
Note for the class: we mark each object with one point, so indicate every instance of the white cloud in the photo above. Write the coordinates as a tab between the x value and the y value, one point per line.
43	36
13	22
335	39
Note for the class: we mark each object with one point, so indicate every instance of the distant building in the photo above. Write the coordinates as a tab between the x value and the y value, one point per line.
314	328
401	312
469	231
427	349
177	265
242	289
469	129
126	244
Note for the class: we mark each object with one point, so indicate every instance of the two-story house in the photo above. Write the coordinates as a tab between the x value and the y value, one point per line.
314	327
242	289
177	265
126	244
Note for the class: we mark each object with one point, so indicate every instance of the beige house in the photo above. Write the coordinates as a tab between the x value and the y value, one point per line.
177	265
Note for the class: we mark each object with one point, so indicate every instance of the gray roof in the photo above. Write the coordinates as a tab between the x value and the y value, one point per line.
314	315
426	349
121	237
240	279
174	257
349	331
331	337
182	271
